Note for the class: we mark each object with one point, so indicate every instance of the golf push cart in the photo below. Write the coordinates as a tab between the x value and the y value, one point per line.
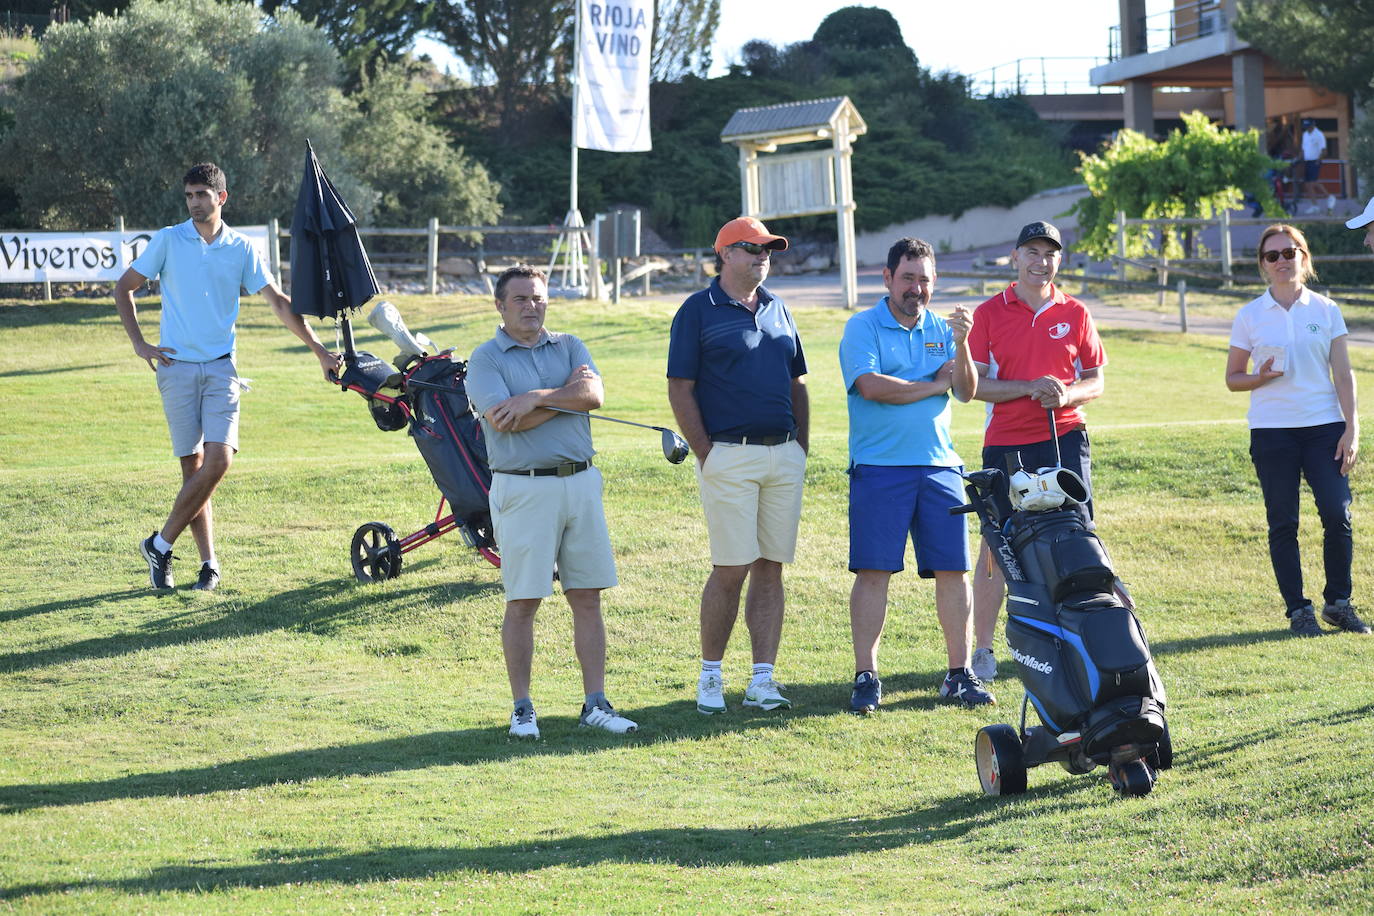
426	391
1080	651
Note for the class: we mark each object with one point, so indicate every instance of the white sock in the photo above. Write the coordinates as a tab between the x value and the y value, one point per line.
161	545
213	562
710	668
762	673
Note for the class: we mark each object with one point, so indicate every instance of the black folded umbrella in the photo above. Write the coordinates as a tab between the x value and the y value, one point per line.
330	272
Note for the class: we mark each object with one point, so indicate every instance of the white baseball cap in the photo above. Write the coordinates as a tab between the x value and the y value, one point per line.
1364	219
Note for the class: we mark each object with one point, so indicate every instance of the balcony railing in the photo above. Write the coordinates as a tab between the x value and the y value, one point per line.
1170	27
1038	76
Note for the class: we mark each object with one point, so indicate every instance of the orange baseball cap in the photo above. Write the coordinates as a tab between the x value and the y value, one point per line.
748	229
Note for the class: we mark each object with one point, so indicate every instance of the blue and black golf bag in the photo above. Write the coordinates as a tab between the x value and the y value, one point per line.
1079	649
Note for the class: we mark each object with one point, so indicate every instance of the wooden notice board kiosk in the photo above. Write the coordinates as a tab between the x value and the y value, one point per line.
776	185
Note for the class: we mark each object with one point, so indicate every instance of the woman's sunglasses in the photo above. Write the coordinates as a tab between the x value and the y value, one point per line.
1287	254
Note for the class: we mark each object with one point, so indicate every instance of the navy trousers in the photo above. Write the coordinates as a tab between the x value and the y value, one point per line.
1282	457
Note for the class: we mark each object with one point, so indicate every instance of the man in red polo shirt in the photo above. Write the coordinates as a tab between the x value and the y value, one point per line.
1035	349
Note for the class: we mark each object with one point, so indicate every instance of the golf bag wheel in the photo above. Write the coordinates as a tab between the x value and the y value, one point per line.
376	553
1077	764
1162	757
1133	777
1001	765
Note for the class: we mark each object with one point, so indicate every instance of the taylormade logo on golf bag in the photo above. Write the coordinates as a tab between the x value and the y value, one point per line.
1031	662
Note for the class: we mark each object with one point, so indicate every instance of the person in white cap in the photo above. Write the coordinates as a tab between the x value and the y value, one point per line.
1303	421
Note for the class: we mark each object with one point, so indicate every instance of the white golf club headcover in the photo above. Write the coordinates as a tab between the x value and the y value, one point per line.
387	319
1047	488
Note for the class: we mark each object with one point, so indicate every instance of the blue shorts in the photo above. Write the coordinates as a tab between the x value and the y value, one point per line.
1075	453
1311	169
888	503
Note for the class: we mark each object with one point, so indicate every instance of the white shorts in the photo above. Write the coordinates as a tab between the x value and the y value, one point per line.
540	521
752	497
201	401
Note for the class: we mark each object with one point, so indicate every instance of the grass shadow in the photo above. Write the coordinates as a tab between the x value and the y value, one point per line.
84	601
685	847
311	607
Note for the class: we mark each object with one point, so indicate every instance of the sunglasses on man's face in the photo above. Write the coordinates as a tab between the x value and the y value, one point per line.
751	248
1287	254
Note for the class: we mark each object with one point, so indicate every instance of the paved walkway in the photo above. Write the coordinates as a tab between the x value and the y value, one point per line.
823	290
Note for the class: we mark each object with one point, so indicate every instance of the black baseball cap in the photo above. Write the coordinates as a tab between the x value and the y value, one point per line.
1039	230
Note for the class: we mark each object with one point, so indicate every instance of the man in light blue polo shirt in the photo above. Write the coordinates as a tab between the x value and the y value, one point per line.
900	363
202	264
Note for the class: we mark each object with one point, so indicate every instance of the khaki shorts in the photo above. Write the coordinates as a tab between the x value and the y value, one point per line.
540	521
752	497
201	401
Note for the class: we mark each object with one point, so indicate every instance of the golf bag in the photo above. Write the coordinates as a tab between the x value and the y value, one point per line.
1081	653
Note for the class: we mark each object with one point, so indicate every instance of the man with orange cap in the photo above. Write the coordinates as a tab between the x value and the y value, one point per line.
736	385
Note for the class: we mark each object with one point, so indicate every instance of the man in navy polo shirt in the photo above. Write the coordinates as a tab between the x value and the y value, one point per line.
202	264
900	363
735	382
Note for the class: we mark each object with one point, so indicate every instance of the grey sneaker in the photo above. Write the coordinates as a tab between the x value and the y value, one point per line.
208	580
984	665
159	564
523	724
1303	622
1341	614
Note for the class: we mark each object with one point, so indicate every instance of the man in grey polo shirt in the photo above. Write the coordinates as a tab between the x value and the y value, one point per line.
545	492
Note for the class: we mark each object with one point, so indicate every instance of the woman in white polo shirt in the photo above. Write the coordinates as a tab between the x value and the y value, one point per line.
1288	349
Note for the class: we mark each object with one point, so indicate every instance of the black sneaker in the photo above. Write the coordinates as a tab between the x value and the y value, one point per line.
159	564
1303	622
867	694
208	580
964	687
1341	614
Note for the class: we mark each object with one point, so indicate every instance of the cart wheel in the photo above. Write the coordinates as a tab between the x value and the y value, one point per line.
1162	757
376	553
1077	763
1132	778
1001	765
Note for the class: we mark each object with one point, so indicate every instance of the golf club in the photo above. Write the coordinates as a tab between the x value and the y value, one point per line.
674	446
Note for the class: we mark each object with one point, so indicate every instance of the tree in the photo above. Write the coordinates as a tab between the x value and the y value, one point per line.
410	161
1332	44
1193	173
683	32
112	112
861	28
365	32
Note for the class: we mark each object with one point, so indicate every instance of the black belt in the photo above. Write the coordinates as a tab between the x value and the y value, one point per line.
567	469
755	440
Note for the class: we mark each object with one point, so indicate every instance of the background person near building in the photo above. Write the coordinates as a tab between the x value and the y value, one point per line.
545	492
1303	420
900	363
1313	147
1036	349
202	264
736	386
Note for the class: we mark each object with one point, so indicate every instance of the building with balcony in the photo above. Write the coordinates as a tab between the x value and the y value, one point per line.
1191	47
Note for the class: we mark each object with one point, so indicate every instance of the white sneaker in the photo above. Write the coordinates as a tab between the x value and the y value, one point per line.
606	720
766	695
522	724
710	695
984	665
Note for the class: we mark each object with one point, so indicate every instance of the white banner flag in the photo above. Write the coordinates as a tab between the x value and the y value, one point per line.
613	75
32	257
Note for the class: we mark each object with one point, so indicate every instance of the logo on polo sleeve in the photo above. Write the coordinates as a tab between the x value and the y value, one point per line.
1059	330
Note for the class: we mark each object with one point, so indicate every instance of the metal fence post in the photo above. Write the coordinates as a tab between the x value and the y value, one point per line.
1183	306
432	258
1163	278
273	247
1224	223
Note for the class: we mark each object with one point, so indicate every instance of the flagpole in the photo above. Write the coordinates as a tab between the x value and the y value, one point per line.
572	240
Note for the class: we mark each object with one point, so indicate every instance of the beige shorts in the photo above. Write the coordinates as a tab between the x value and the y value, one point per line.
752	497
201	401
540	521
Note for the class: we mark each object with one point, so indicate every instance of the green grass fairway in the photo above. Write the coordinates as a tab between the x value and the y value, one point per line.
298	742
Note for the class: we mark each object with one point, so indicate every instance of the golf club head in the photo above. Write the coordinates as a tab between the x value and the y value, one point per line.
674	447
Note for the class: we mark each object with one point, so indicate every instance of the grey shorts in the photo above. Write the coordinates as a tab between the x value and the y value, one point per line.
201	401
